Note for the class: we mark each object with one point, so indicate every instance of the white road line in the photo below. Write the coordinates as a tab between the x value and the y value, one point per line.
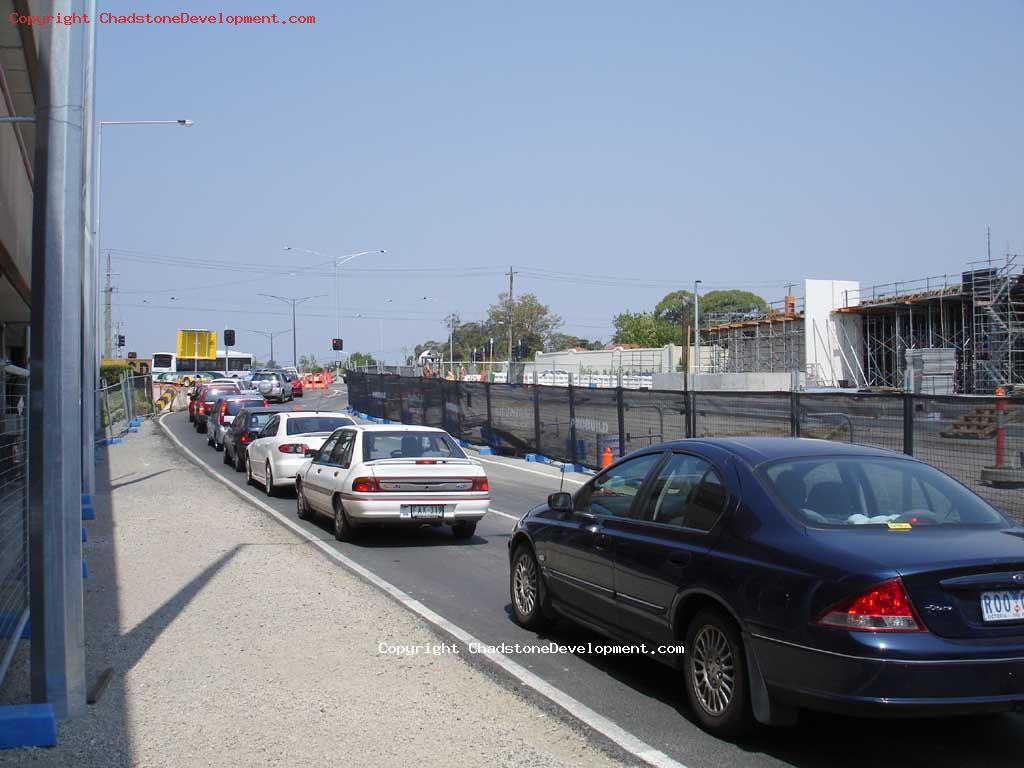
615	733
504	514
531	471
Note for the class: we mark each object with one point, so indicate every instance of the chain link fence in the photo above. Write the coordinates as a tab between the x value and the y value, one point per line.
124	401
977	440
14	399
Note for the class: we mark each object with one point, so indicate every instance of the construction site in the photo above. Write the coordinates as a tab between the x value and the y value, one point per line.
950	334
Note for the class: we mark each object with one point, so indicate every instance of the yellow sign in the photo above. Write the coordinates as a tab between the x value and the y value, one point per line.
197	344
900	526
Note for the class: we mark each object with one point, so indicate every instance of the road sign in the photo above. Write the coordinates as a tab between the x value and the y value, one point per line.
200	344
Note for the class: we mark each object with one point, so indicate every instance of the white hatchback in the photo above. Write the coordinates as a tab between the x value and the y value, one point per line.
393	475
273	458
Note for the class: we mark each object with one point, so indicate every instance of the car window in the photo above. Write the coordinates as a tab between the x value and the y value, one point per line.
342	451
258	420
849	492
612	492
324	457
687	493
409	444
270	430
302	425
234	406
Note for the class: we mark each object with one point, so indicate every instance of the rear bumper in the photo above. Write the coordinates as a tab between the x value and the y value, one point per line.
285	469
389	512
890	687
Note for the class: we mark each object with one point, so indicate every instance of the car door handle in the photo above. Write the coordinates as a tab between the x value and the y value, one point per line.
318	471
603	542
335	474
679	558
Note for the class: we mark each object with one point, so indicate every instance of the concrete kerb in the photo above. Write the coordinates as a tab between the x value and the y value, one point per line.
612	736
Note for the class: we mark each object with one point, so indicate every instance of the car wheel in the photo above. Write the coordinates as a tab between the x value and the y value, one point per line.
239	462
217	446
209	439
464	530
528	592
268	481
302	509
227	457
249	479
343	530
715	673
201	427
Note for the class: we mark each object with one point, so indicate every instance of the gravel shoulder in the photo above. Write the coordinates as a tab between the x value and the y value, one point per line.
234	643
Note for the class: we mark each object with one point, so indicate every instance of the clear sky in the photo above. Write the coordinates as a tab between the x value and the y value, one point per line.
744	144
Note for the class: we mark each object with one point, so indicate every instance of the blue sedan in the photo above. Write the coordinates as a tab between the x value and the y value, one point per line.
794	573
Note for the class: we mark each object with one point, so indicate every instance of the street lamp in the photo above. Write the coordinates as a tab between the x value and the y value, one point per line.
339	262
696	325
98	202
270	335
294	303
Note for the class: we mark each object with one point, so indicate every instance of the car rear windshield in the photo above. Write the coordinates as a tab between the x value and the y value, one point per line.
847	492
234	406
307	424
266	377
258	420
218	389
409	445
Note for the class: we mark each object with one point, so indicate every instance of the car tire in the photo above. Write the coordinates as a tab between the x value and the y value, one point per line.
527	589
715	675
249	479
218	446
268	481
209	439
227	458
239	462
302	508
464	530
201	427
343	529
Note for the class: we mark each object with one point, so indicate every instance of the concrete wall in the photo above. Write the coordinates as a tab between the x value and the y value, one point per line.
733	382
825	364
608	360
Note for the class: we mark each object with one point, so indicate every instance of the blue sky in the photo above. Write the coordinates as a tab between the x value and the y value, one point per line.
741	144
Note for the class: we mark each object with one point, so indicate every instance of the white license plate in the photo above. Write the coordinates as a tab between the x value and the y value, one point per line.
1002	606
423	511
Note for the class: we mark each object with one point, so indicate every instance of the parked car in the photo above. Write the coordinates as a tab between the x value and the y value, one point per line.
392	475
273	385
796	574
280	450
245	427
296	382
223	413
205	397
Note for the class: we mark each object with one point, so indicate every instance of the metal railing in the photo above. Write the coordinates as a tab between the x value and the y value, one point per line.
977	440
14	605
124	401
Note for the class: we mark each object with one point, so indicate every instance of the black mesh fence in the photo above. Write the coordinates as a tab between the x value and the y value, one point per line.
14	397
977	440
735	414
867	419
651	417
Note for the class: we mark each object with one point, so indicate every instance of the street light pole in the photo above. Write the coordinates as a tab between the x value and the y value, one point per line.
294	303
270	335
696	325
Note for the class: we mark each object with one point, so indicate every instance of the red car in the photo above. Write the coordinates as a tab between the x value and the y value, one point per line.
204	400
192	403
296	382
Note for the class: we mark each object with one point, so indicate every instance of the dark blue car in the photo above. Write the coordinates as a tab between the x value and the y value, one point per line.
796	574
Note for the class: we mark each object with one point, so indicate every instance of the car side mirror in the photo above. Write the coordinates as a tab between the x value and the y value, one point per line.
311	453
560	502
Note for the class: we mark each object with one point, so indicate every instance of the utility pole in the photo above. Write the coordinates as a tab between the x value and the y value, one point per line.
294	303
108	330
696	326
511	306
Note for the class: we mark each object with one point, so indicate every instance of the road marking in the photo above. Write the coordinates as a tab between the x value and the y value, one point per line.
531	471
504	514
607	728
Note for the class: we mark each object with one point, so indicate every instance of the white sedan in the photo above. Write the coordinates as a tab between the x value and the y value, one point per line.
273	458
395	475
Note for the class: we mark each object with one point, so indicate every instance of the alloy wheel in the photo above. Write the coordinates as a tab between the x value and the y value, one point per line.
524	585
713	670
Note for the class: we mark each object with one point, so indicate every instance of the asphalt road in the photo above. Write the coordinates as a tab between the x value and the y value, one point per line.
467	583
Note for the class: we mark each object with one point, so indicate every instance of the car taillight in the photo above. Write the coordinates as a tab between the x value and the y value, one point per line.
481	484
244	437
365	485
293	448
885	608
223	410
426	461
266	403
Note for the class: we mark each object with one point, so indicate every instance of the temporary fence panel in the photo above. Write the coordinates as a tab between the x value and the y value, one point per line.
595	424
14	398
651	417
864	419
473	404
735	414
513	427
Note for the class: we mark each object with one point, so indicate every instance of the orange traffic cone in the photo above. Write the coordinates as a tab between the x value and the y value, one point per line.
607	458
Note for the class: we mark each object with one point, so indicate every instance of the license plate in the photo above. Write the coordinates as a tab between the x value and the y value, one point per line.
424	511
1002	606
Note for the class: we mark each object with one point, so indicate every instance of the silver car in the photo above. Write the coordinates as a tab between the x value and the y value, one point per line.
273	385
224	410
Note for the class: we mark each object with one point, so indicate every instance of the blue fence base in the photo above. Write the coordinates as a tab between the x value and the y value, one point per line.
88	513
486	451
27	725
540	459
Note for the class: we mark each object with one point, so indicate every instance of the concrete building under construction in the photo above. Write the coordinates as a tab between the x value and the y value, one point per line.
964	333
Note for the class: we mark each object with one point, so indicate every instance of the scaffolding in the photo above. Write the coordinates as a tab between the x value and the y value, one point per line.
757	342
998	318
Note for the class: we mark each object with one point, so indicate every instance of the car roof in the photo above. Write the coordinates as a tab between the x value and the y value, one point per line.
757	450
396	428
319	413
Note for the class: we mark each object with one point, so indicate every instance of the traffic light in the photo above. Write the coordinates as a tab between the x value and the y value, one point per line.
229	338
120	340
337	345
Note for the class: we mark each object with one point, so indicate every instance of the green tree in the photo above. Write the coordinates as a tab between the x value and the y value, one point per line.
730	301
359	359
532	323
558	342
644	329
676	309
308	364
